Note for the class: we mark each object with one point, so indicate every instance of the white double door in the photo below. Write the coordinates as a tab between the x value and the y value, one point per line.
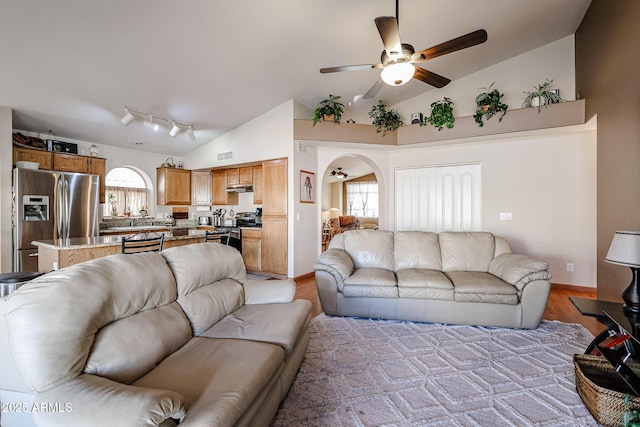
439	198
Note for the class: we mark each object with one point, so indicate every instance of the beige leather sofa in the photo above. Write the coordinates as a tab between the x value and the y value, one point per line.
177	337
452	277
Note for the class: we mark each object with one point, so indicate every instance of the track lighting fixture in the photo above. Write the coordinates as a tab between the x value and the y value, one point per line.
190	134
128	117
151	122
174	129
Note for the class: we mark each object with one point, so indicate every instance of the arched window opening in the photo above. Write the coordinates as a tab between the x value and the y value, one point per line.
127	193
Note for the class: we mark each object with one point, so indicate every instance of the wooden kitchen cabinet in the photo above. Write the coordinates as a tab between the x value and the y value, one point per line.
200	187
252	249
246	175
219	189
174	186
70	163
274	217
274	187
98	166
233	176
257	185
32	155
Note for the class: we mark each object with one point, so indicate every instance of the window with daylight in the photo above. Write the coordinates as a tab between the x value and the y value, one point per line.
362	198
127	192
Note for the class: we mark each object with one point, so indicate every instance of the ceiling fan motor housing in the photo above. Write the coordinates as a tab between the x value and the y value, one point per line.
407	52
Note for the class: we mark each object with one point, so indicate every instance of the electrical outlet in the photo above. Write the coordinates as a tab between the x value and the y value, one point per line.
569	266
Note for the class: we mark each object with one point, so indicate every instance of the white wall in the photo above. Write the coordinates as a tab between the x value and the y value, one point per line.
548	183
6	165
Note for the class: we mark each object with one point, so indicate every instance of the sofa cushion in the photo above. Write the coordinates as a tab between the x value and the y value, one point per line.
280	324
218	378
208	278
424	284
370	291
482	287
416	249
58	314
117	353
201	264
371	277
466	251
367	248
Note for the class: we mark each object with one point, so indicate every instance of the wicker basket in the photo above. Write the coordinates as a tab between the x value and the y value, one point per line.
601	389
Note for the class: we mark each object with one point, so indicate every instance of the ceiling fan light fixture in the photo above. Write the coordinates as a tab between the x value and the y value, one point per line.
149	123
398	73
174	129
128	118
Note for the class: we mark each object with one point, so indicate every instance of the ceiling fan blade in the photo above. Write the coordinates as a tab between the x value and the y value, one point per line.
430	77
462	42
350	68
374	89
390	35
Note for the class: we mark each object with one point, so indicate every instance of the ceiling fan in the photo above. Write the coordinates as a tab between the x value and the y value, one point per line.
398	59
338	173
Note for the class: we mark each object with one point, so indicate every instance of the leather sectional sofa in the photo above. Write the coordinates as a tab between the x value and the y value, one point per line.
452	277
177	337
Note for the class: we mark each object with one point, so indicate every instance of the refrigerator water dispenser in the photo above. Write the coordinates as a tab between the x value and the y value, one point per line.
36	208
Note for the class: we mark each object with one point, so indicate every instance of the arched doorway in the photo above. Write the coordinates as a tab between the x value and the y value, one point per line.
352	186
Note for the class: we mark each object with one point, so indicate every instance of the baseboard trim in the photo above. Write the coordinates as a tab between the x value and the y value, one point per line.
586	289
305	276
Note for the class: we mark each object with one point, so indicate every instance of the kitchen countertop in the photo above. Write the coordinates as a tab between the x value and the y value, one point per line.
94	242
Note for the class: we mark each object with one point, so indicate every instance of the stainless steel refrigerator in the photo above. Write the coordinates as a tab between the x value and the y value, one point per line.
50	205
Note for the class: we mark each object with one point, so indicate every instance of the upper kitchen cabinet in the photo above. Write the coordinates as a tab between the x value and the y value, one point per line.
98	166
201	187
219	192
70	163
174	186
32	155
257	185
240	176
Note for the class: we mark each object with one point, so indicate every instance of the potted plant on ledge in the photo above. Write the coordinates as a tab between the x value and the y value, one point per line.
441	114
383	119
541	96
329	109
489	103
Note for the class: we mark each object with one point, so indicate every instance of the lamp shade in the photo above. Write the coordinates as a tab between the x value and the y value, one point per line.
398	74
625	249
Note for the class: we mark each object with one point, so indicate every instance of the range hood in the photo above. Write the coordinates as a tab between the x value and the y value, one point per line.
240	188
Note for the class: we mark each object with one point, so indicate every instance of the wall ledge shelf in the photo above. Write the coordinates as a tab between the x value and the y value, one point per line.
517	120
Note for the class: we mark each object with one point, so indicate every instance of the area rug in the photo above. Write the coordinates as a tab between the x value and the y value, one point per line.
361	372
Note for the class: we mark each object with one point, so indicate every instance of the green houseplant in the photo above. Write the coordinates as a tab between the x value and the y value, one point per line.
383	119
541	96
328	109
488	104
441	114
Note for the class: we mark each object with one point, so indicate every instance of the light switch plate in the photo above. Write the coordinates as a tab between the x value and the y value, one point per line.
506	216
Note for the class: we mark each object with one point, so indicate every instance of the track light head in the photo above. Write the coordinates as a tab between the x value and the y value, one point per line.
149	123
128	117
174	129
190	134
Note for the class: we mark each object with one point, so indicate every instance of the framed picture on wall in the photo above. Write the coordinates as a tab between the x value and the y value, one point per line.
307	187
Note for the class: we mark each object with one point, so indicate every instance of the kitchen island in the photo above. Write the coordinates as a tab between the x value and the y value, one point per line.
56	254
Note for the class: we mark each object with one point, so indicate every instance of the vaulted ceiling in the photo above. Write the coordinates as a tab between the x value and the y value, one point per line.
70	66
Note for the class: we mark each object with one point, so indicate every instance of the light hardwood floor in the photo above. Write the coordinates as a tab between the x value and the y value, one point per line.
558	308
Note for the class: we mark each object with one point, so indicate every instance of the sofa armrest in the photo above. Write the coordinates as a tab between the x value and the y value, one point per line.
335	262
519	269
265	291
89	400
